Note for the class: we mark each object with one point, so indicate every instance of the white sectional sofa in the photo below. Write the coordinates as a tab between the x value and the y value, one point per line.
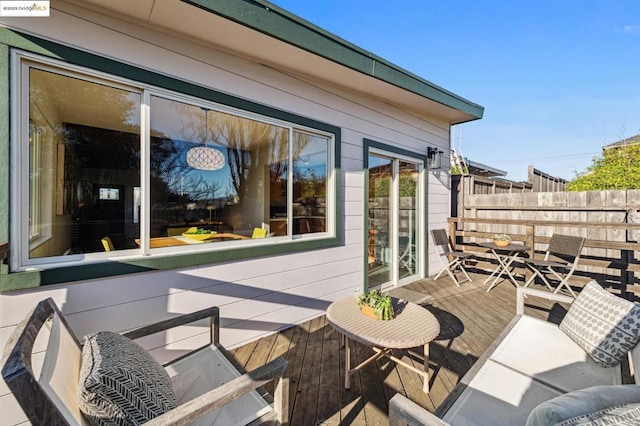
532	361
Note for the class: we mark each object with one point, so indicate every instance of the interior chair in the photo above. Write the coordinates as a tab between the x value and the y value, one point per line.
563	252
452	260
259	233
107	244
179	230
210	387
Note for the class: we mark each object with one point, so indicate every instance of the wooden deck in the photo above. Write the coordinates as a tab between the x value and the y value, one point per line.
470	320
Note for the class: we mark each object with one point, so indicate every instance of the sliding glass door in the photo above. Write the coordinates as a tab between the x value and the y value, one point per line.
407	229
395	221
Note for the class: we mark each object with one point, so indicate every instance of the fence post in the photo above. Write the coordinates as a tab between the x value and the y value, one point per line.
627	256
529	241
452	235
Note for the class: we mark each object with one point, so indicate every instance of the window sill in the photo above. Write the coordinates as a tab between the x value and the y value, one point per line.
36	242
133	261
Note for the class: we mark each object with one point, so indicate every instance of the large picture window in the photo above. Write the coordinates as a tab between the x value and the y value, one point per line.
129	169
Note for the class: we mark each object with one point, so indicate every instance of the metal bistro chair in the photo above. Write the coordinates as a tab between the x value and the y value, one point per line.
566	249
446	252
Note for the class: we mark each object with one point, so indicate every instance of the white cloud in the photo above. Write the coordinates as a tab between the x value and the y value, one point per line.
631	29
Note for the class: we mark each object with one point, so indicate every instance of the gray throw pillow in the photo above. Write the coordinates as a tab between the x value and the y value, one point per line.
120	383
623	415
604	325
615	404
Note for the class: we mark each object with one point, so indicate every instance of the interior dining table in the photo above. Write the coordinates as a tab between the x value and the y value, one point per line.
159	242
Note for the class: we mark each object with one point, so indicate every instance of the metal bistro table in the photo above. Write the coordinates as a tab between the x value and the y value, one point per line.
411	327
506	256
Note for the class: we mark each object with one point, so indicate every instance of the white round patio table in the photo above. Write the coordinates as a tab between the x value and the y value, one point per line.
412	326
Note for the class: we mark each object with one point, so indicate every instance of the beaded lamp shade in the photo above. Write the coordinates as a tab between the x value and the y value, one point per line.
205	158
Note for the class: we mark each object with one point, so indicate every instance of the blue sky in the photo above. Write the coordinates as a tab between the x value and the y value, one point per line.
558	78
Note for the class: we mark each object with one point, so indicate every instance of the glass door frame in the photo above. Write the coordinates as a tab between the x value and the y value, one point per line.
397	154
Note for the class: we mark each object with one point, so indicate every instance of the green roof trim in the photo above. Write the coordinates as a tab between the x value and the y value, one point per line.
269	19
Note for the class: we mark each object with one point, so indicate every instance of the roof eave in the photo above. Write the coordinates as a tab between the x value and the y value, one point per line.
261	32
269	19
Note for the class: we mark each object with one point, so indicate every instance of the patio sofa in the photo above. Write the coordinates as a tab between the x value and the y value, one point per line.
537	372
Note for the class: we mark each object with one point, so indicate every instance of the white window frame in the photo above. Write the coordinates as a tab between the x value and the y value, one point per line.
19	259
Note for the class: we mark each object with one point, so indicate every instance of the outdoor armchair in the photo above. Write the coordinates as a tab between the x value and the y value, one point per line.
207	383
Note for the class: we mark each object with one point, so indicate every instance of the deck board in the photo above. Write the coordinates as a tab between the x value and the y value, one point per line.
329	402
470	318
309	383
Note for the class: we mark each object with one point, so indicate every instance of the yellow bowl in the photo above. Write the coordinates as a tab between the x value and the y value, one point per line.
199	237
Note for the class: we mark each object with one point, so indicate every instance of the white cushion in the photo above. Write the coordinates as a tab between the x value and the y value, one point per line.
586	405
604	325
498	395
539	349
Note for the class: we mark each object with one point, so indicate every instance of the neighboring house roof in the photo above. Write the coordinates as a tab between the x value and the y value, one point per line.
289	43
633	140
480	169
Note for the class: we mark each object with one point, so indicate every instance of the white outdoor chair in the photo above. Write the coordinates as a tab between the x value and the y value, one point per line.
211	388
563	252
452	260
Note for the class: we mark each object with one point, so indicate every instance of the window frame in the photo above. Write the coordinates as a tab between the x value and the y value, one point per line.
22	62
35	185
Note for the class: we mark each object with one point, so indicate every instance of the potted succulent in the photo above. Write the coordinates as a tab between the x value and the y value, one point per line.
376	305
501	240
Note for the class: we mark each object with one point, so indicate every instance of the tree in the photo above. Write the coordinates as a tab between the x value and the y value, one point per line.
616	168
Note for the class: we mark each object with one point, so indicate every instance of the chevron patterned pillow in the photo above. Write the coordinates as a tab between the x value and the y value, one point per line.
120	383
604	325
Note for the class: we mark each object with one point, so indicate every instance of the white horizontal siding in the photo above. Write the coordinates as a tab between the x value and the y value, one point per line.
260	296
439	210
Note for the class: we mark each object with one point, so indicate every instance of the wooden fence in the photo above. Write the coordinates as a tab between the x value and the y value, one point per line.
470	184
542	182
462	185
609	220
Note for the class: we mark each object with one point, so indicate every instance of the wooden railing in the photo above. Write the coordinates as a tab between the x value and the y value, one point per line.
600	259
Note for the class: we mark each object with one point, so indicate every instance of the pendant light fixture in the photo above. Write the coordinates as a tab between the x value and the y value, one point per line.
205	157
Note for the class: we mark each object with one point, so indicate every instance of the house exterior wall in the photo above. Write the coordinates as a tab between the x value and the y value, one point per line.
256	296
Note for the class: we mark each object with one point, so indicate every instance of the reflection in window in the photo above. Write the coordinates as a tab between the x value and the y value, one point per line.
260	178
35	205
408	259
234	199
89	145
249	191
309	183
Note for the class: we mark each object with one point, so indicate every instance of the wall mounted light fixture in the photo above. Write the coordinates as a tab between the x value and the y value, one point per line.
434	158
